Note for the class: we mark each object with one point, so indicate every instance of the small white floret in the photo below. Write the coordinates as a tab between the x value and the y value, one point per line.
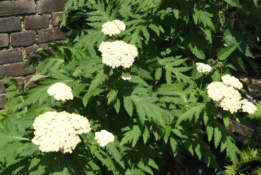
203	68
113	27
104	137
232	81
248	107
60	91
126	76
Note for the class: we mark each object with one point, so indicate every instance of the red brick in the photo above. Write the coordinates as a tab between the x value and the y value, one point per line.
49	35
10	24
55	18
29	51
45	6
11	56
23	38
8	8
3	100
36	22
15	70
4	40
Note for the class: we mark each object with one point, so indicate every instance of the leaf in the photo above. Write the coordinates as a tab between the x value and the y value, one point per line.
34	78
154	28
131	136
145	32
217	136
111	96
194	111
117	106
128	105
98	79
146	109
224	53
167	133
115	154
174	146
241	64
252	64
234	3
210	131
88	95
176	13
146	135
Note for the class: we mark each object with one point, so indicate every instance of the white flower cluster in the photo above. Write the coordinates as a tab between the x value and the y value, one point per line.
126	76
104	137
248	107
226	96
232	81
118	53
113	27
203	68
58	131
60	91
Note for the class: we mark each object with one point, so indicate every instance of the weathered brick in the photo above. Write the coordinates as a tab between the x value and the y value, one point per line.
15	70
10	24
2	100
11	56
4	40
8	8
29	51
36	22
55	18
45	6
49	35
23	38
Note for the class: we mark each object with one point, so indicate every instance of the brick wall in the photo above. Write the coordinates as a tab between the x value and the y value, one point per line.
25	26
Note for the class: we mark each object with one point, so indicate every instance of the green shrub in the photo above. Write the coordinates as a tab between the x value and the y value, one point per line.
164	109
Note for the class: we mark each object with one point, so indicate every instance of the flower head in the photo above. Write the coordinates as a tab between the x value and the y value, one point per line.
60	91
113	27
58	131
203	68
216	90
104	137
230	104
232	81
224	96
126	76
118	53
248	107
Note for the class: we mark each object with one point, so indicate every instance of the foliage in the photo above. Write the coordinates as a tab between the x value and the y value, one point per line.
163	111
249	157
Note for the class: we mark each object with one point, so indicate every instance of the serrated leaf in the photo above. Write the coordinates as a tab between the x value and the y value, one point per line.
193	112
131	136
217	136
234	3
174	146
167	133
210	131
98	79
117	106
128	105
224	53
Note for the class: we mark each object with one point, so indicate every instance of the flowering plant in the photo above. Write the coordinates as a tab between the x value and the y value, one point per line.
124	93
